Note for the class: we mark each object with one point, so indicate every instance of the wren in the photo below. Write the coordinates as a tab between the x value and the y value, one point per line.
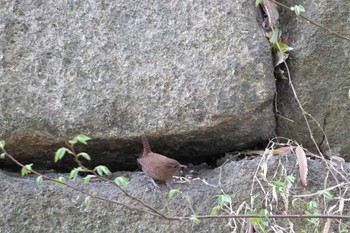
157	166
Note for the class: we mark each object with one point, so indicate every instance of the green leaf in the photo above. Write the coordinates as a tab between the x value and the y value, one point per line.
264	213
60	180
344	230
121	181
295	202
215	210
279	183
2	155
290	179
195	219
87	179
87	201
75	172
258	2
326	194
60	153
85	155
26	169
39	180
311	205
298	9
224	198
102	170
2	144
79	138
276	36
173	192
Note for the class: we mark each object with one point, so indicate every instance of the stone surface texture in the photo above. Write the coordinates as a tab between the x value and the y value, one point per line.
320	68
26	207
200	70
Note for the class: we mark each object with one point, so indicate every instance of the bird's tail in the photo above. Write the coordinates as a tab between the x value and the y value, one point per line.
146	146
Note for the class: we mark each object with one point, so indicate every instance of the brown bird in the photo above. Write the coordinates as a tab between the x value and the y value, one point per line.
157	166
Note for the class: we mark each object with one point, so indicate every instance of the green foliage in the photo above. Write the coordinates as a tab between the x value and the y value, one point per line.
26	169
224	198
121	181
2	144
215	210
344	230
102	170
2	155
79	138
87	201
87	179
311	205
84	155
258	2
298	9
290	179
60	180
60	153
295	203
326	194
173	192
73	174
195	219
39	180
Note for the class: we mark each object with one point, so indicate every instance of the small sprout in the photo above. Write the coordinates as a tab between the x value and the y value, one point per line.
39	180
102	170
121	181
2	155
79	138
295	203
326	194
311	205
195	219
87	179
258	2
290	179
224	199
73	174
2	144
215	210
60	180
173	192
60	153
87	201
26	169
345	229
298	9
85	155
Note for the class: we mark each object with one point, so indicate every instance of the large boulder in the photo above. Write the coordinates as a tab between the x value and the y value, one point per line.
196	76
320	69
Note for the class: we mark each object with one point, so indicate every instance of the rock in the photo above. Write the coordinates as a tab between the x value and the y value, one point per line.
26	207
196	77
320	70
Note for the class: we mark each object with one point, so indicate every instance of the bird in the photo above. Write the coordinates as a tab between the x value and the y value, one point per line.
157	166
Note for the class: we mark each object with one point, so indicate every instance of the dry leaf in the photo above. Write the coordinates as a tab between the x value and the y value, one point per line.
327	226
271	11
301	157
286	150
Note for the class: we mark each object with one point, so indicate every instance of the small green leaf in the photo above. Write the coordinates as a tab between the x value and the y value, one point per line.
87	201
195	219
279	183
225	198
215	210
311	205
298	9
121	181
2	155
85	155
26	169
258	2
60	180
87	179
60	153
276	36
290	179
295	203
264	213
73	174
39	180
344	230
173	192
2	144
79	138
326	194
102	170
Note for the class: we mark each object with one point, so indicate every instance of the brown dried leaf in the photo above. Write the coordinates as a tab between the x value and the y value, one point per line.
301	157
286	150
271	11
